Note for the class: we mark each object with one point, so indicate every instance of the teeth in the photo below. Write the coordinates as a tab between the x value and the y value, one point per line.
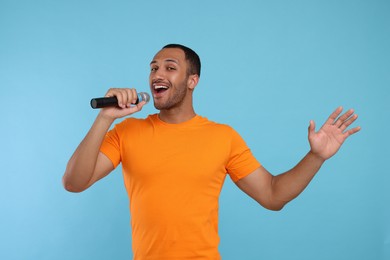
160	87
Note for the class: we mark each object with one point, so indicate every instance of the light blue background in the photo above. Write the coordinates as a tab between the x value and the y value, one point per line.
268	68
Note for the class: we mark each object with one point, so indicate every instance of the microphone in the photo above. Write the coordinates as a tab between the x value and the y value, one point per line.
113	101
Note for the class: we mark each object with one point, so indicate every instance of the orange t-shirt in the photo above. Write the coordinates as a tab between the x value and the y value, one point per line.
173	175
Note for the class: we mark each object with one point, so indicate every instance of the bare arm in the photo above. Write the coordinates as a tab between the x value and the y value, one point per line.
274	192
88	165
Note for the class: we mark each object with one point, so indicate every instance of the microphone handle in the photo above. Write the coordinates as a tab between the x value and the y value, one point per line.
107	102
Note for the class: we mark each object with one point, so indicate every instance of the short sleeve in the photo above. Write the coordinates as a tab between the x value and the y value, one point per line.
241	160
111	146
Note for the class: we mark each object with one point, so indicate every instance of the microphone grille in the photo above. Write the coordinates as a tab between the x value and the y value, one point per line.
144	96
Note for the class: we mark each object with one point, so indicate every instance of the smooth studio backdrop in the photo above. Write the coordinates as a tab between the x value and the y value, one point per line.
268	68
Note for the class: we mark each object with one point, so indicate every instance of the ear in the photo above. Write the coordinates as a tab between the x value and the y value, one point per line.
192	81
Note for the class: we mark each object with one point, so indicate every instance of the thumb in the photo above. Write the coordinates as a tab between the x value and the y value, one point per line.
312	128
140	105
129	110
137	107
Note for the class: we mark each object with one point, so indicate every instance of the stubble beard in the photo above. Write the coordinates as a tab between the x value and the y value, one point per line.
175	100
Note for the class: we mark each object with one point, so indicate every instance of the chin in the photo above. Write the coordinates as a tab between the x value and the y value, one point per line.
159	106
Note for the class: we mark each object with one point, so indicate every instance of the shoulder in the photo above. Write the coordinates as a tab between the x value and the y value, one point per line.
138	121
133	123
217	127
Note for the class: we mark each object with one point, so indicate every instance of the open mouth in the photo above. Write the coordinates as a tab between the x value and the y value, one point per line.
159	89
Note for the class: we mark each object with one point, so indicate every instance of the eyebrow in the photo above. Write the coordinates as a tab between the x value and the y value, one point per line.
166	60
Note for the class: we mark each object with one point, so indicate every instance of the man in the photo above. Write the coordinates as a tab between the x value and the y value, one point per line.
175	162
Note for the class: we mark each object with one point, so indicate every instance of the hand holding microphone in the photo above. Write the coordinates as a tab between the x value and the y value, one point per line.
120	102
119	97
113	101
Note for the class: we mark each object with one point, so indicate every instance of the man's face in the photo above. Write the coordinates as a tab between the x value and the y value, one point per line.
168	78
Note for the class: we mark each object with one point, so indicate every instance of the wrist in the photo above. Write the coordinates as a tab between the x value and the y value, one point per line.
316	157
104	118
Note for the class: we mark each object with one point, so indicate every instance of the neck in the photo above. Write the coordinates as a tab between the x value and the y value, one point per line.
176	116
180	113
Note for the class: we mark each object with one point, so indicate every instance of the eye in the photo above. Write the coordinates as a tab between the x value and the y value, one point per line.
171	68
153	69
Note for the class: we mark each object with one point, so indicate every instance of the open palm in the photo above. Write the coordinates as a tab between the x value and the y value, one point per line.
328	140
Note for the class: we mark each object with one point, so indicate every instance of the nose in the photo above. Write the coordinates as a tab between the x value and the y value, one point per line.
157	76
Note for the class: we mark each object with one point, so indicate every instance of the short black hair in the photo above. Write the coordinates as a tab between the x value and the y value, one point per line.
191	56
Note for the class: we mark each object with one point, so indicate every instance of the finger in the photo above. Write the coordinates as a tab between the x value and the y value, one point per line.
332	118
348	122
128	95
110	93
114	92
121	98
131	96
353	131
134	96
342	119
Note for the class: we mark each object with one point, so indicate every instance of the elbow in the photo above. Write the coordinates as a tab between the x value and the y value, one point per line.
277	207
274	205
69	187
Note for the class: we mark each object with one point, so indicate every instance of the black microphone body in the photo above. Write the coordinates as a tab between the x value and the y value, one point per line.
113	101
